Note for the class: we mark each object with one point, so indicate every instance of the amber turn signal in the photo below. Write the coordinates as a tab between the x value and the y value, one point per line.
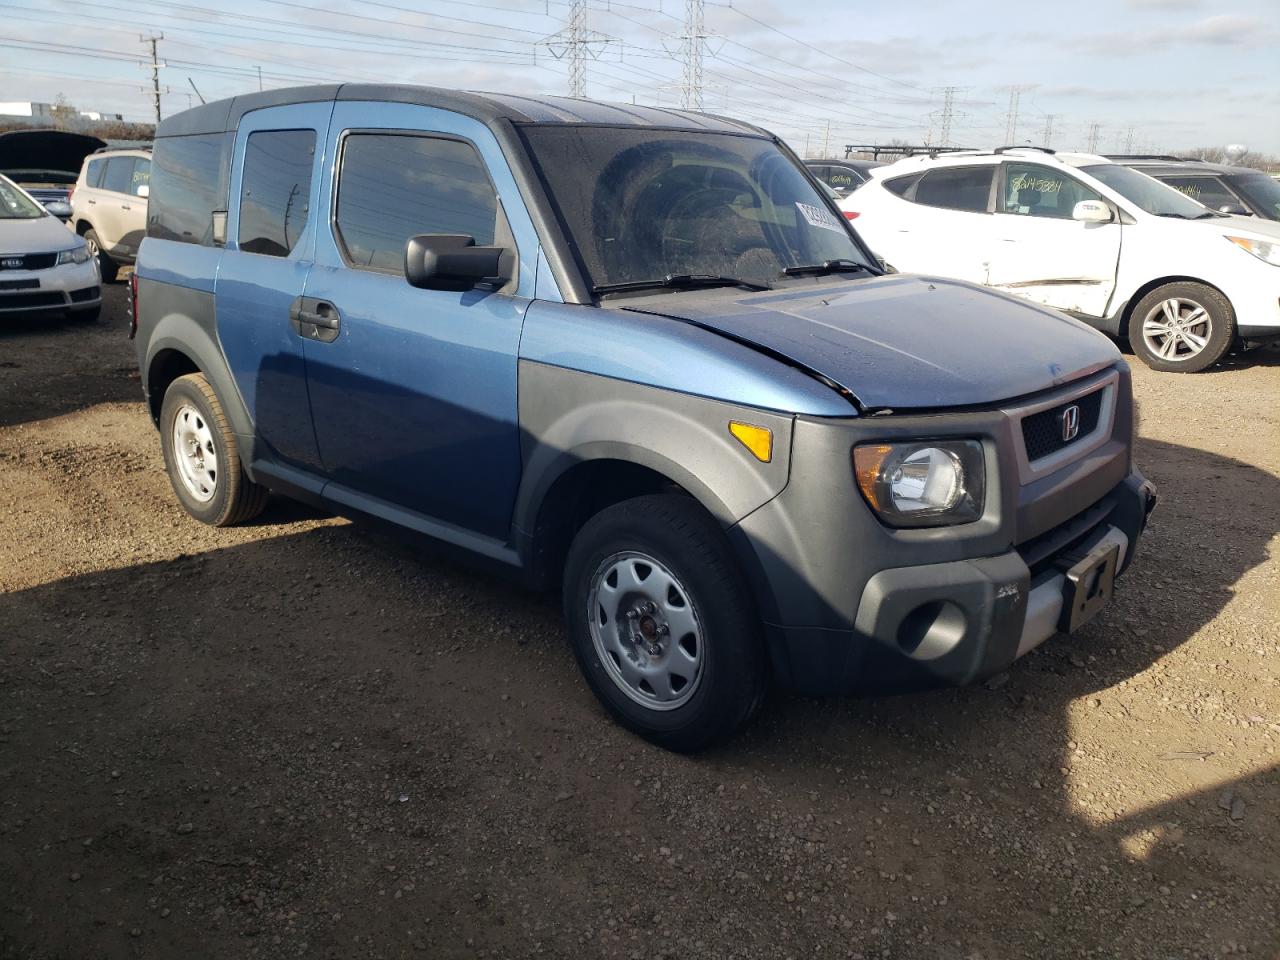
867	461
759	440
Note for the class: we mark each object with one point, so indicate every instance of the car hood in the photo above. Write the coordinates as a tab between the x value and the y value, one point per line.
1255	228
40	235
904	342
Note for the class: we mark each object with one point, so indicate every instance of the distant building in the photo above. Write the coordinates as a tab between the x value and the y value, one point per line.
26	108
95	115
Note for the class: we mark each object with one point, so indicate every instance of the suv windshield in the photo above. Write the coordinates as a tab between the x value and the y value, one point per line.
15	205
1260	190
1151	195
641	205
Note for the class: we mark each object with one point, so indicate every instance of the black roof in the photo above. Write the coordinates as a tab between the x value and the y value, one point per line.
223	115
1183	168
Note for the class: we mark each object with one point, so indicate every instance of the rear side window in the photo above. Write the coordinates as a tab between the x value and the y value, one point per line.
956	188
188	183
141	175
275	190
93	175
393	187
842	178
900	185
119	175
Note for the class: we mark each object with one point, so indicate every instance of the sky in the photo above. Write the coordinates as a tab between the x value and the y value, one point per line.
1155	75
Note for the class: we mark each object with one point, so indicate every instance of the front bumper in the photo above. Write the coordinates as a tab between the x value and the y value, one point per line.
960	621
68	286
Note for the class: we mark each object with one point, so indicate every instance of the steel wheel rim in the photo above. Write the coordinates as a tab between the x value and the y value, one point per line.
646	631
1177	329
194	453
92	246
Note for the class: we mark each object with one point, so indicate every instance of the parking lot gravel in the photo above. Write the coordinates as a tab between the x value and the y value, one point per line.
302	738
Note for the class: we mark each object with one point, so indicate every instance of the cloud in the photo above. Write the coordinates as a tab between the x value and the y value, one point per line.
1164	6
1221	30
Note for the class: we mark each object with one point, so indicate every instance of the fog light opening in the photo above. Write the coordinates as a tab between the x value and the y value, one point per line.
931	630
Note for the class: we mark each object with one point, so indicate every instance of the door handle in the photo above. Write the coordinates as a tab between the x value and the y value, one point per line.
315	319
91	200
125	206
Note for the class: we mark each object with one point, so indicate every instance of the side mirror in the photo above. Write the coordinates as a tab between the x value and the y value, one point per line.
1092	211
59	208
438	261
1235	209
144	190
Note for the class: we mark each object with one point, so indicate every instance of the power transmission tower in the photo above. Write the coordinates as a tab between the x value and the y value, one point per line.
1095	128
693	43
155	70
577	44
1011	119
1128	140
948	112
1048	128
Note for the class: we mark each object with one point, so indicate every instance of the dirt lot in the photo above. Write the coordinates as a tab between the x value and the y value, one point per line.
299	739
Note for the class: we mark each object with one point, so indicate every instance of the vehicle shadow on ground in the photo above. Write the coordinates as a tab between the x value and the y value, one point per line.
293	745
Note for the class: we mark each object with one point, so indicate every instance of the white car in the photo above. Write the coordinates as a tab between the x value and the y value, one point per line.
43	265
1098	240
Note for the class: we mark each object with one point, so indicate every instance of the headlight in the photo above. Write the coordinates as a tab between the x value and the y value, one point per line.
1262	249
78	254
922	483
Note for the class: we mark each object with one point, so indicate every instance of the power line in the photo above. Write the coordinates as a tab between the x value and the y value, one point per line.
1048	128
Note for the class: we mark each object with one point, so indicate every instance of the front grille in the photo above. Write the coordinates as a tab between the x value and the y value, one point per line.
1042	432
28	261
29	284
19	301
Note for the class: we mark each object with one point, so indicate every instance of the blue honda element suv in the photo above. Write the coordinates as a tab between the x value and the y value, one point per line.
637	355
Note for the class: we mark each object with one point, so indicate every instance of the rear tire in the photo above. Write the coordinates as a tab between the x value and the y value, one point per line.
106	266
1182	327
201	456
659	568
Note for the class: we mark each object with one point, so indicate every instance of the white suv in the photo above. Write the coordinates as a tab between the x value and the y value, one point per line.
1095	239
109	205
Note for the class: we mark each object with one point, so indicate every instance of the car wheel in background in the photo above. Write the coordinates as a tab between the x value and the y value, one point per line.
662	624
108	267
201	457
1184	327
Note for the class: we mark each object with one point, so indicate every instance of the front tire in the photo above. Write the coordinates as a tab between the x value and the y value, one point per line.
106	266
662	624
201	456
1182	327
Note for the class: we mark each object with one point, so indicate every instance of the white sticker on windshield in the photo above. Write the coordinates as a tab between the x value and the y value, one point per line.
817	217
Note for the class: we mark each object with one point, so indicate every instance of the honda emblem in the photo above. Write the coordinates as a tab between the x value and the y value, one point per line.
1070	423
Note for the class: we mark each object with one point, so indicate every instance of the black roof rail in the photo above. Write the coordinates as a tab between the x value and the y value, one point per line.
999	150
1150	156
896	150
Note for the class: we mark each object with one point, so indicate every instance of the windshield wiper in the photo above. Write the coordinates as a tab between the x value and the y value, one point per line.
680	281
827	266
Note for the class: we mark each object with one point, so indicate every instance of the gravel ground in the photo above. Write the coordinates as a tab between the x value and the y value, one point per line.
301	739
